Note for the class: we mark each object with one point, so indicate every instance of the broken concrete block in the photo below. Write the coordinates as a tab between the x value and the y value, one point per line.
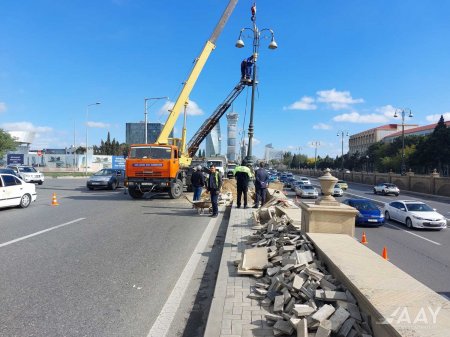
278	305
326	285
346	327
254	258
273	271
302	328
272	317
350	297
290	305
255	273
302	310
298	282
324	329
314	273
338	318
323	313
256	296
354	311
284	326
329	295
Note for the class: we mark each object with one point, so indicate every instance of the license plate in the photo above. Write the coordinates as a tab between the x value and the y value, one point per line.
95	183
146	184
372	220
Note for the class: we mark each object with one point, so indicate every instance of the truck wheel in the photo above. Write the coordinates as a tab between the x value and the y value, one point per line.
176	190
135	193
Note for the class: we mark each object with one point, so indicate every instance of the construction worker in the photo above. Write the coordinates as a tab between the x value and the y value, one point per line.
213	185
197	181
242	174
246	69
261	184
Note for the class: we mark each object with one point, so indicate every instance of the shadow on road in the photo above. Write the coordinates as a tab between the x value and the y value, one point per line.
196	323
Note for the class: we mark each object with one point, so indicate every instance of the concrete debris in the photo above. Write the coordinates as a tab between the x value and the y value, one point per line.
293	284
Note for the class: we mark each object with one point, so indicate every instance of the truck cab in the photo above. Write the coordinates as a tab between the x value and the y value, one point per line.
153	167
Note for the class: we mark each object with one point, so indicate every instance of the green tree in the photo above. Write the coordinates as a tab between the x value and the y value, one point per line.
7	143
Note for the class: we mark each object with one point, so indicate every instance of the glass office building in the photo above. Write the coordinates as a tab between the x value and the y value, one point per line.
135	132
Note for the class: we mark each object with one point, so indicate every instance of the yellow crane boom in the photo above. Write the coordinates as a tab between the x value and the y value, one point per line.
193	76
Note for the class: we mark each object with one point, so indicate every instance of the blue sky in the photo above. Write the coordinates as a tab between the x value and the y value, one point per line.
340	65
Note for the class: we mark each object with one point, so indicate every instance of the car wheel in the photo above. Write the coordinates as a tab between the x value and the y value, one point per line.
25	201
374	191
384	192
176	190
40	183
409	223
387	216
396	194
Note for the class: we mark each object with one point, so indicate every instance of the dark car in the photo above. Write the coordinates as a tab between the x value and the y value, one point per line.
106	178
369	213
9	171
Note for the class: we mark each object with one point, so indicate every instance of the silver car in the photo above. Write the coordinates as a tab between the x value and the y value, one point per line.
338	191
386	188
28	173
307	191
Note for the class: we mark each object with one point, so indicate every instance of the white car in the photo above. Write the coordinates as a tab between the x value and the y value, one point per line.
305	180
28	173
386	188
414	214
306	191
15	192
338	191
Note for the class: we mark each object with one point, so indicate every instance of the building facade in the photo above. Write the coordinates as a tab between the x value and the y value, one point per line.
418	131
213	142
361	141
135	132
270	153
232	119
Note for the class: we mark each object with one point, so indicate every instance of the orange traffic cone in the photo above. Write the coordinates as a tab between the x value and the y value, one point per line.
364	239
54	201
385	254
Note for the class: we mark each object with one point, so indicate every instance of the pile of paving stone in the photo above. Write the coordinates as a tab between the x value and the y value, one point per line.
294	286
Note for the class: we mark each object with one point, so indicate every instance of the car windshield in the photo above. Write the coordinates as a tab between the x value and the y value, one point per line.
27	169
419	208
304	178
153	152
104	172
216	163
337	186
307	187
341	182
390	185
363	205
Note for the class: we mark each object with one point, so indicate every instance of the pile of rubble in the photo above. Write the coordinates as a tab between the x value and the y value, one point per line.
294	285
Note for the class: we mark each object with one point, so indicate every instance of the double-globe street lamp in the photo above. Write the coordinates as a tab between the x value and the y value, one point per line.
145	115
403	113
256	35
342	133
87	128
316	144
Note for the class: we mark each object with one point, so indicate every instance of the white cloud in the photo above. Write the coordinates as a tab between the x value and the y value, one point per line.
25	126
387	110
322	126
337	99
192	109
99	125
354	117
305	103
435	118
2	107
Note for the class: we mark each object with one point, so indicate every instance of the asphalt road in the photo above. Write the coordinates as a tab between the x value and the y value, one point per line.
422	253
107	270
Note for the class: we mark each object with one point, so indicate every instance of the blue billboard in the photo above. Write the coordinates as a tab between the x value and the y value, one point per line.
14	158
118	162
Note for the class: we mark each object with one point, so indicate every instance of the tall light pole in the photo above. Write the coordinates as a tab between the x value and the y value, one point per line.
145	114
403	113
240	44
87	128
342	133
316	144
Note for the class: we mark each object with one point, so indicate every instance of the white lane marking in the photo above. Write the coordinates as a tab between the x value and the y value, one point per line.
162	324
40	232
419	236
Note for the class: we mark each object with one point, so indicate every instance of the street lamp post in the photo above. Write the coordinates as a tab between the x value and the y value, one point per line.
342	133
87	128
367	167
240	44
145	114
403	112
316	144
